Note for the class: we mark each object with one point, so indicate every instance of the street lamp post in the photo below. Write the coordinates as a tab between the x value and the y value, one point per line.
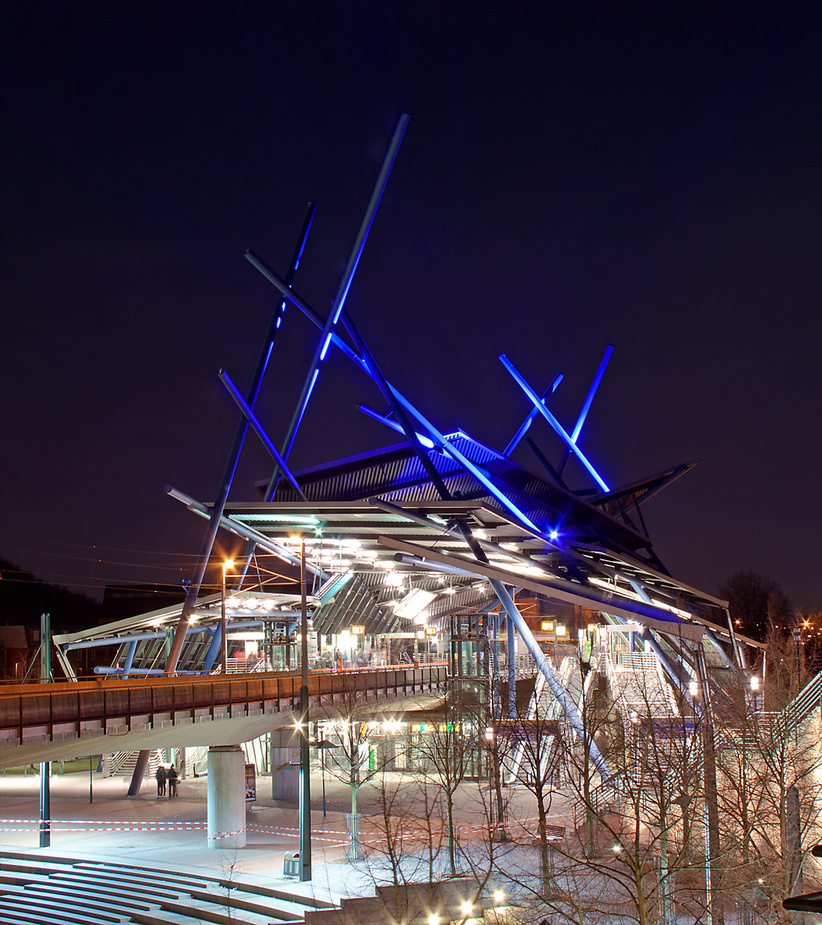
229	563
305	768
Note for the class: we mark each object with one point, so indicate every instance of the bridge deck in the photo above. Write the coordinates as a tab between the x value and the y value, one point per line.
42	722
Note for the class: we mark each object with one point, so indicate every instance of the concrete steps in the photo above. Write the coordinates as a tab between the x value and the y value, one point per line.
38	888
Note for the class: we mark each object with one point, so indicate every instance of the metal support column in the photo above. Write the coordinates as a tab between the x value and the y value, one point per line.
45	766
305	767
512	668
565	702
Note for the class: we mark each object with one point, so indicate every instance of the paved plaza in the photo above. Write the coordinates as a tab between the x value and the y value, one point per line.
115	826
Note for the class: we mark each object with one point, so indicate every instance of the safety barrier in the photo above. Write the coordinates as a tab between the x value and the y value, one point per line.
66	710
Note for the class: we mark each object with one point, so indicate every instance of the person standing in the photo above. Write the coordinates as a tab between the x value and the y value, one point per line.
161	780
171	777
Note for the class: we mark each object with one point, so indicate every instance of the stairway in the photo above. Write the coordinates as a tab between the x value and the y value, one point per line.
67	891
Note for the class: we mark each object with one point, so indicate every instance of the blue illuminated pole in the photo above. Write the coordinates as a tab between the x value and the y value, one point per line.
513	443
540	406
194	585
586	405
231	467
258	428
339	300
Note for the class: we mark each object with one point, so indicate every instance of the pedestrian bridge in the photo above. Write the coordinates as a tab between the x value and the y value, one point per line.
47	722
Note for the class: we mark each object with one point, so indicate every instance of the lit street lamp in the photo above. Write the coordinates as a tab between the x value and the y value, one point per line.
228	564
305	768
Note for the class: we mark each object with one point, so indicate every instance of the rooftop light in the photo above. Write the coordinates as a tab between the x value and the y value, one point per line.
414	603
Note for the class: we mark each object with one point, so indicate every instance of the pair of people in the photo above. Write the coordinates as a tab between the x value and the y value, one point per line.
166	777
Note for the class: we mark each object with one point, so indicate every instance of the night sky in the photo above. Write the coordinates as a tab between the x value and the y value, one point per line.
644	175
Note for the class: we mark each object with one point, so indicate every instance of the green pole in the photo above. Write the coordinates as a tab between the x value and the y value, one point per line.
45	781
305	782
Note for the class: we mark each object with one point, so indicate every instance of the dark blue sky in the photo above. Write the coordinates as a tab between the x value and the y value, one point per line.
646	177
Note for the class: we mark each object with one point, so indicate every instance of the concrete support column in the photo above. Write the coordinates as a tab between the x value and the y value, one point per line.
285	774
226	797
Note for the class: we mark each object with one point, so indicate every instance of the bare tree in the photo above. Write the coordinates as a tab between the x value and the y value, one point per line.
770	793
629	850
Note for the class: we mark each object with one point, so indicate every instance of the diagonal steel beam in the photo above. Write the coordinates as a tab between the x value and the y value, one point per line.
569	708
540	406
254	421
532	416
338	304
216	512
586	405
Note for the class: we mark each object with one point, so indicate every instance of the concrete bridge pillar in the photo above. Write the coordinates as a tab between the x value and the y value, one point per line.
226	797
285	764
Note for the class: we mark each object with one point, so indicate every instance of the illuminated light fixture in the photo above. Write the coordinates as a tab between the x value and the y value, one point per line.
357	630
693	688
547	626
394	579
498	896
414	603
291	519
592	627
420	634
553	535
430	631
562	630
616	849
680	613
466	908
489	733
334	585
754	683
450	590
433	919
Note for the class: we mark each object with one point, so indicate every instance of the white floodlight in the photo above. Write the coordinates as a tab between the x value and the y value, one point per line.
414	603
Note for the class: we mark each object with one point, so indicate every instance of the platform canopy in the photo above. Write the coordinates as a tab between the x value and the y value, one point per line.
373	522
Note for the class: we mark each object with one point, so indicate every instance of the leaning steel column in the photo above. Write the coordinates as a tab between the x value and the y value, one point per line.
45	766
216	512
226	797
512	668
559	692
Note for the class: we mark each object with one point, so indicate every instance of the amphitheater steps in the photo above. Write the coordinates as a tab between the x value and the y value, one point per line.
37	888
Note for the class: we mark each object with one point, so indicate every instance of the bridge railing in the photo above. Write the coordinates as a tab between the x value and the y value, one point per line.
64	708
